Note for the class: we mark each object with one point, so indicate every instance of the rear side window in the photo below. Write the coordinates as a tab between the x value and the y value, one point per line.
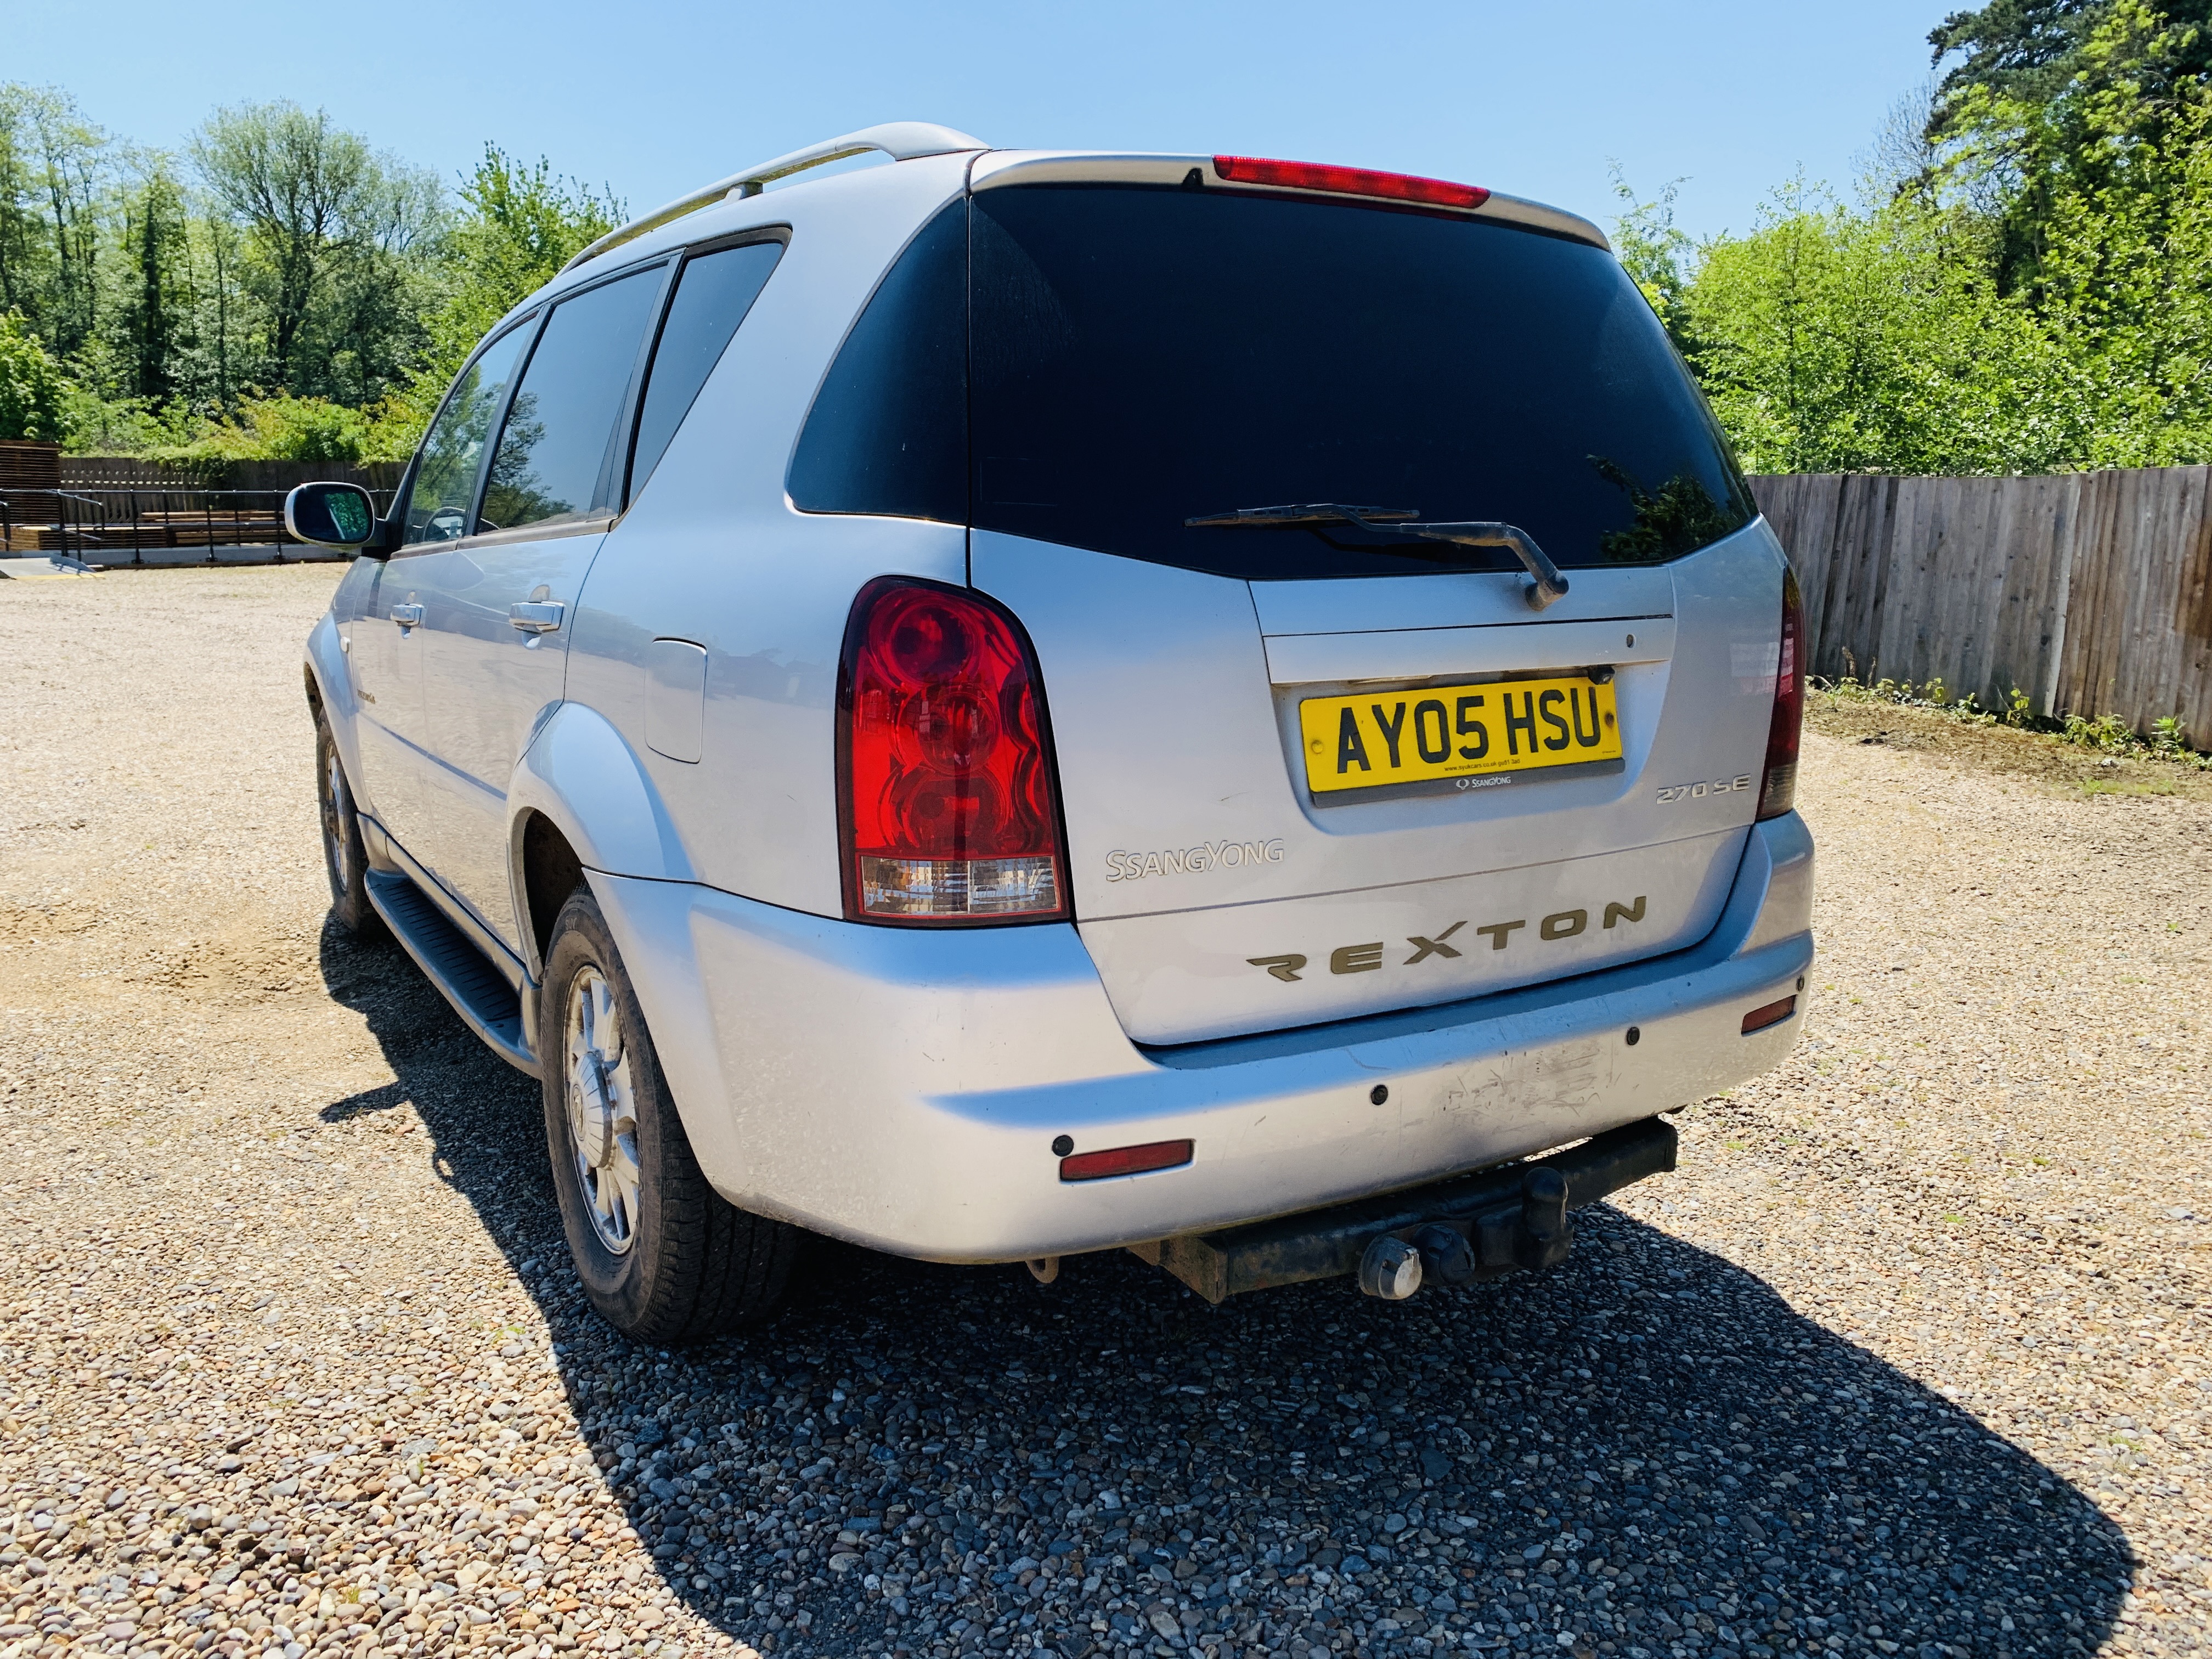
1142	356
452	451
713	295
888	433
551	465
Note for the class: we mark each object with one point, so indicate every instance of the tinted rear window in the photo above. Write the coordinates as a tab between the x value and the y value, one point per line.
1135	357
1143	356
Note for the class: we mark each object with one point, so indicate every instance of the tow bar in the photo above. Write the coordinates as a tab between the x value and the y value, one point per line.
1471	1227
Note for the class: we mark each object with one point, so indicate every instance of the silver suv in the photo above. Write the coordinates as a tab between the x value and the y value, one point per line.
1012	702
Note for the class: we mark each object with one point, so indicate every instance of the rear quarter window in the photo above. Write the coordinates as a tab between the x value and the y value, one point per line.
888	433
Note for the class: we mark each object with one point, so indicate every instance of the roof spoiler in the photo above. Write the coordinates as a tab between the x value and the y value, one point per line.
902	141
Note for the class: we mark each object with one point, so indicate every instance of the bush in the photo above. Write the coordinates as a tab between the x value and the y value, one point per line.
282	428
32	390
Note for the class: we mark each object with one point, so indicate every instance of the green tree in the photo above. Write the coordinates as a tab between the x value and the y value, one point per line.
2052	99
517	226
1654	250
153	314
328	225
32	390
1832	340
54	175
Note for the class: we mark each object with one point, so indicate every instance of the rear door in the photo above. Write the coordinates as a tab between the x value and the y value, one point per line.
1317	770
498	603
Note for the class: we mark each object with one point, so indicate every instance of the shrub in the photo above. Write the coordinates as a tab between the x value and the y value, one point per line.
282	428
31	389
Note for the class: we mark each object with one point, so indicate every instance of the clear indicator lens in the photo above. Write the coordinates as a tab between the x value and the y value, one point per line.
959	887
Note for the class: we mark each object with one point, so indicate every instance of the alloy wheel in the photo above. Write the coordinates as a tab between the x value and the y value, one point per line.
602	1110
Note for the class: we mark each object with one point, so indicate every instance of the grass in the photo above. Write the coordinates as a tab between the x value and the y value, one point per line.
2107	735
2088	759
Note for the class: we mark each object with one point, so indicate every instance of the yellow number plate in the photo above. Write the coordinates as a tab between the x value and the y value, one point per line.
1457	732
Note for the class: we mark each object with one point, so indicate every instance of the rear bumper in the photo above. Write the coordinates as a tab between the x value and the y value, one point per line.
904	1089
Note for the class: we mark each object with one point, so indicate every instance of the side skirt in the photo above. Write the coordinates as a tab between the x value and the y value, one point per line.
467	977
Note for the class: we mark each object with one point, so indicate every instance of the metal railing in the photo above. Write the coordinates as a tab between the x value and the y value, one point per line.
101	527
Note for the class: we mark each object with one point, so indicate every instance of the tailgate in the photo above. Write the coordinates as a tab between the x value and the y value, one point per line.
1219	895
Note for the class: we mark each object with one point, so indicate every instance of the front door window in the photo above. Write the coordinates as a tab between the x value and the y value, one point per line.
446	476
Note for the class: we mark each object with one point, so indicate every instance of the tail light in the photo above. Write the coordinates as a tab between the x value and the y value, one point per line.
1349	181
1780	792
947	804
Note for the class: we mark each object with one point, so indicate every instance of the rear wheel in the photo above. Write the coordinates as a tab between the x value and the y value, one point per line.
345	860
662	1256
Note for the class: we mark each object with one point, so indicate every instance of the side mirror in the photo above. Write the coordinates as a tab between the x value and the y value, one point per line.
330	515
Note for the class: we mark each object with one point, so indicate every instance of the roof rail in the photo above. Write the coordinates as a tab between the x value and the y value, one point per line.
902	141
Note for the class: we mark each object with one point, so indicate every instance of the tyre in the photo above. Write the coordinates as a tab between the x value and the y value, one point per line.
662	1256
345	860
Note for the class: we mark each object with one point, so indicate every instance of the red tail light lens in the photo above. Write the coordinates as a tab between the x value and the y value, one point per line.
946	792
1350	181
1784	730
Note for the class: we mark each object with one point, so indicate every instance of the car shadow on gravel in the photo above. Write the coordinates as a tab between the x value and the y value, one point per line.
1645	1452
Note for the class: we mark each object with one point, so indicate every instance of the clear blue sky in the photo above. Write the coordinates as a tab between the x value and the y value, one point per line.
653	97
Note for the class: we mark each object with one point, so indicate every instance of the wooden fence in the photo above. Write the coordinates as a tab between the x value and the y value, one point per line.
2089	592
132	472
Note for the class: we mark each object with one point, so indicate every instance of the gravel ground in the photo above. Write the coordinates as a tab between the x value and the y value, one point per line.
1907	1358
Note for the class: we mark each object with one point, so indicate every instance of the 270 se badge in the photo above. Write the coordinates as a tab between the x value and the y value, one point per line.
1457	732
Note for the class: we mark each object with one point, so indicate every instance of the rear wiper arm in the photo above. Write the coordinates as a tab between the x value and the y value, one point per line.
1546	584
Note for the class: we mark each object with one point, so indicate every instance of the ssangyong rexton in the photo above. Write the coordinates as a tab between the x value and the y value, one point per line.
1017	702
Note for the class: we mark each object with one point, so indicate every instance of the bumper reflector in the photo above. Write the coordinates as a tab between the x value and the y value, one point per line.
1773	1014
1124	1160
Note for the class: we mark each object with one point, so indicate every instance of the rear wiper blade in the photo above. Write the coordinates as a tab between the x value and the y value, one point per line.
1303	512
1546	584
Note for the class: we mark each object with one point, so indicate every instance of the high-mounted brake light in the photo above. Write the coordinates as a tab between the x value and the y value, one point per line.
948	807
1350	181
1780	794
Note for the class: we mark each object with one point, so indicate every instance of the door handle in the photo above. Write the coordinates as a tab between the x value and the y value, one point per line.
537	616
407	616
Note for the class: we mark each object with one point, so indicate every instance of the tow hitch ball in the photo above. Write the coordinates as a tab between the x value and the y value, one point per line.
1536	1232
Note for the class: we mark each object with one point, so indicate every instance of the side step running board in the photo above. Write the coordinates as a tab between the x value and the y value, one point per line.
478	991
1474	1226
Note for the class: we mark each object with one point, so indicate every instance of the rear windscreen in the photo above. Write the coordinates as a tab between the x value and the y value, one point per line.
1140	356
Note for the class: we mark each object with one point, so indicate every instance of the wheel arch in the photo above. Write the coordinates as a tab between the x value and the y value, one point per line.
580	800
329	689
547	870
